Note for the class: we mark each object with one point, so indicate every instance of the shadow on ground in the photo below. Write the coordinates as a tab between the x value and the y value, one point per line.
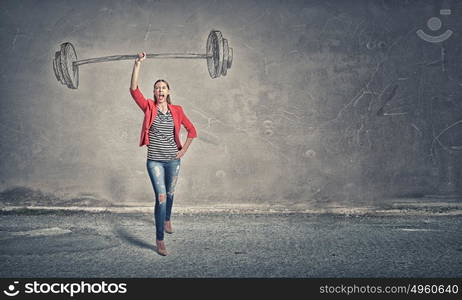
128	237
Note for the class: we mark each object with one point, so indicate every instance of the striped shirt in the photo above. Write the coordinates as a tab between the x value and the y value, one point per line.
162	144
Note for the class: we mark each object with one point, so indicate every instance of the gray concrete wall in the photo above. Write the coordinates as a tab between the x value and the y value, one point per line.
327	102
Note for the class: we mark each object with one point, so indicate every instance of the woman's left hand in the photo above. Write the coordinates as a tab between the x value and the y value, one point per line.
180	153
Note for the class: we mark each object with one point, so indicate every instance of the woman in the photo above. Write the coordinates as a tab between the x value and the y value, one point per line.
161	134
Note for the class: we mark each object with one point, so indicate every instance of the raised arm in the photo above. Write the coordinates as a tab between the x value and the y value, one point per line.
134	90
136	70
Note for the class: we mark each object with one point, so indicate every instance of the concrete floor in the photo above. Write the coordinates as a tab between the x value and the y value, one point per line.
44	243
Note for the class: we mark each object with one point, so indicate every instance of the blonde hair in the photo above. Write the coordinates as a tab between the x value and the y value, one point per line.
169	101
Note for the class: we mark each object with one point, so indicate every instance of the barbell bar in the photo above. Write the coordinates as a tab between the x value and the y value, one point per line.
219	58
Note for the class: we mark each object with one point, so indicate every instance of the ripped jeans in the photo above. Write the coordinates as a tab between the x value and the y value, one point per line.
163	175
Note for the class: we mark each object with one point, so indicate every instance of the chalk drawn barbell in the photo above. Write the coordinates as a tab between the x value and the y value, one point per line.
219	58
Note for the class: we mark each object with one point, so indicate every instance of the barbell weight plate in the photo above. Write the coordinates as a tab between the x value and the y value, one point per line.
224	66
57	68
214	53
220	52
230	57
74	68
69	70
62	65
209	53
71	57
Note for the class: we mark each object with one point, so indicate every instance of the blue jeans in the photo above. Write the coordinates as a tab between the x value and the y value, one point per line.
163	175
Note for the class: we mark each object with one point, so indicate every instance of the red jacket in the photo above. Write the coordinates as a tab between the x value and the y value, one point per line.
150	112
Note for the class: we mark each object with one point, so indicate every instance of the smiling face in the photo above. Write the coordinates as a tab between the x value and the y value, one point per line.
161	91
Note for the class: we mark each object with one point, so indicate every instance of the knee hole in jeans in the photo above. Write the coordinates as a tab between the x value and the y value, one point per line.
162	198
